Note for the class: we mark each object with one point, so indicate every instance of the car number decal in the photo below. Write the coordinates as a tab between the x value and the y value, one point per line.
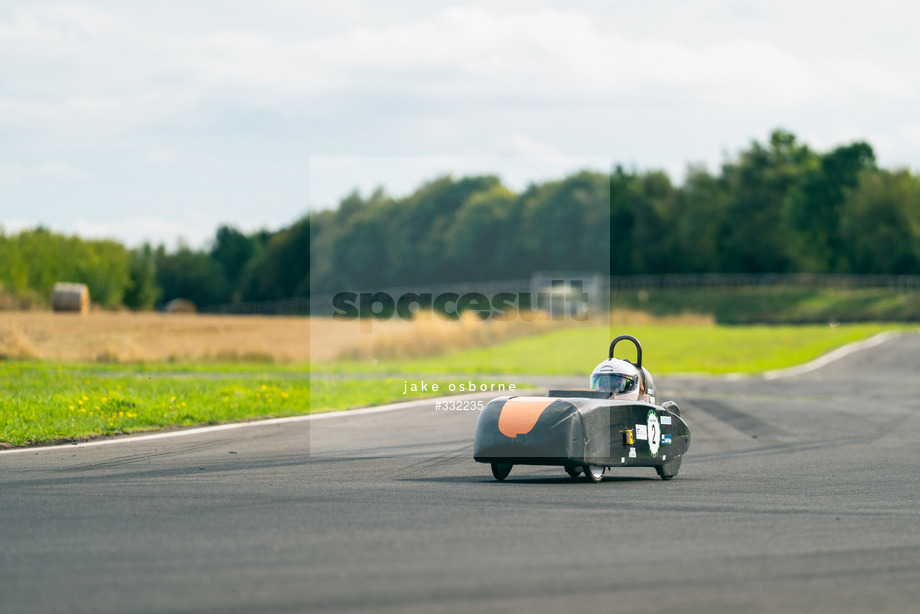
654	433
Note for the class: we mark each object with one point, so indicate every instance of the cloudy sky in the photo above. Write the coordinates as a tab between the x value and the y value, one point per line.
160	120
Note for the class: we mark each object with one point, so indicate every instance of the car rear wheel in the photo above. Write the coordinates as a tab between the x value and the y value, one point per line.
501	470
573	470
594	473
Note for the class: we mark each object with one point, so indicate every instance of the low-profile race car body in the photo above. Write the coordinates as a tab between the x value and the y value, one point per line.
586	430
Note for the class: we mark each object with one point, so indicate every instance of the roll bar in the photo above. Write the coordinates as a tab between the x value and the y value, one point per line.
635	342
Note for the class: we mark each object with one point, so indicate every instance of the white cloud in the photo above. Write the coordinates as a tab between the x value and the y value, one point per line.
107	73
13	226
137	230
114	70
194	231
218	107
15	174
331	178
517	144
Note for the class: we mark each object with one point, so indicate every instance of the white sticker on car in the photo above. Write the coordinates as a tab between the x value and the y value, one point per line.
654	433
641	431
665	420
632	453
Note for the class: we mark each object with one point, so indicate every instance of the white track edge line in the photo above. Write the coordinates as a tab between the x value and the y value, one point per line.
832	356
817	363
240	425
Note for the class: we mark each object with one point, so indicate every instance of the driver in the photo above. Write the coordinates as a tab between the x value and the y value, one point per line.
618	377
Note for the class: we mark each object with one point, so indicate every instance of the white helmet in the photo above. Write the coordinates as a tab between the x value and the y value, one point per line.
618	377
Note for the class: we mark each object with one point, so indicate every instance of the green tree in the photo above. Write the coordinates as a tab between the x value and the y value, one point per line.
362	247
701	204
417	230
564	225
143	291
753	237
34	260
655	213
623	189
14	272
814	206
282	270
478	240
105	266
191	275
233	250
881	223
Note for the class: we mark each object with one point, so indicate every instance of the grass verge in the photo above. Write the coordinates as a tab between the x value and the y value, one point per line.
56	403
769	304
48	403
667	349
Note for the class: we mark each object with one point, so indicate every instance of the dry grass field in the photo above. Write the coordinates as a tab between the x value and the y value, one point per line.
133	337
154	337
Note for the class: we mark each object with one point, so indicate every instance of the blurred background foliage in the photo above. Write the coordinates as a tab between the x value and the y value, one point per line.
777	207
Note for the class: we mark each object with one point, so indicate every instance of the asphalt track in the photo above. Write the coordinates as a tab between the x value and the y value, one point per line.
800	494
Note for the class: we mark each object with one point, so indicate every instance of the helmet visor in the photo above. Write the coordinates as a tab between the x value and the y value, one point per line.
612	382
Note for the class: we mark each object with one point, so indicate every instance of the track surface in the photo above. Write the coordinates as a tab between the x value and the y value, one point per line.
797	495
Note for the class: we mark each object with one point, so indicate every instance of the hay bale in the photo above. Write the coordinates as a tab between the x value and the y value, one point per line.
180	305
70	297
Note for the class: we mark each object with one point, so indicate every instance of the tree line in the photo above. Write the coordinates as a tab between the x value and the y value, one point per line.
235	267
31	261
778	206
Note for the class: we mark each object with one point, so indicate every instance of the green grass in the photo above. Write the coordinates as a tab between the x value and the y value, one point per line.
203	368
770	304
46	403
667	349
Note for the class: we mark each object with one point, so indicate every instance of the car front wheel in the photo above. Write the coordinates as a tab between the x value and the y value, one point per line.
668	470
501	470
594	473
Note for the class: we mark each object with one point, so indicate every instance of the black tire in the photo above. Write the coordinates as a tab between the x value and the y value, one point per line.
594	473
501	470
573	470
668	470
672	407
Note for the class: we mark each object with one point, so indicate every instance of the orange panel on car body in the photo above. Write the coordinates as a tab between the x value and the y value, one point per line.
519	415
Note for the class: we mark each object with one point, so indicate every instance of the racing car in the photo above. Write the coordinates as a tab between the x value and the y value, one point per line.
615	423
